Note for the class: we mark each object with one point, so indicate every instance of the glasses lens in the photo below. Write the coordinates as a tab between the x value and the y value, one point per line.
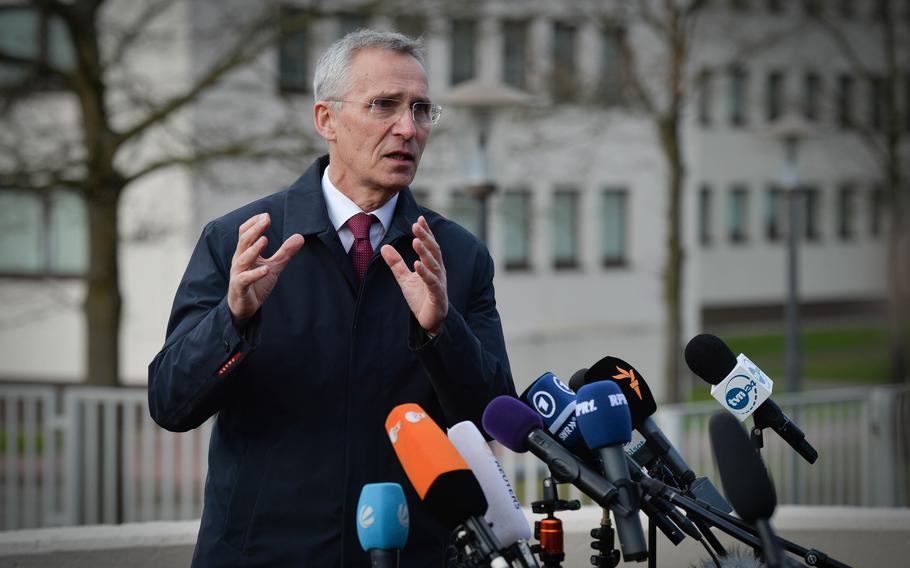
422	113
384	108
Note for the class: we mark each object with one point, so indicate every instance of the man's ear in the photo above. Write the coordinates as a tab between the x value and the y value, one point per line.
324	117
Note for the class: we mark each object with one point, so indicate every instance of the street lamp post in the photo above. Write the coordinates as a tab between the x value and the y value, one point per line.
481	99
791	130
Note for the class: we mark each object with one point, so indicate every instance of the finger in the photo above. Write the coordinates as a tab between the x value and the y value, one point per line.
395	263
249	234
247	278
426	256
431	279
422	231
245	259
286	252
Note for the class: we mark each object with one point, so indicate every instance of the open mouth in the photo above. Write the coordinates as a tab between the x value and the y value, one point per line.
401	156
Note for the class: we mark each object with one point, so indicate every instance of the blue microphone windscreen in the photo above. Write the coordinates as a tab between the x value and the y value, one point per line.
555	402
603	415
509	421
382	517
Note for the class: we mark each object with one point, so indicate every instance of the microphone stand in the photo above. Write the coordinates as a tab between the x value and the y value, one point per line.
548	532
737	528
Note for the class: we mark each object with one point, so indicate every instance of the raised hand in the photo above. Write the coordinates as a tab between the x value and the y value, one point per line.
424	289
253	277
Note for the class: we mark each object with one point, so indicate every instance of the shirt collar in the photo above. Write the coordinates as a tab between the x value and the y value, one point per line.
341	208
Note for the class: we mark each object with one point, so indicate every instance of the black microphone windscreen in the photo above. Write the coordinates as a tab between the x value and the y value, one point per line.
633	386
577	380
742	473
710	358
454	497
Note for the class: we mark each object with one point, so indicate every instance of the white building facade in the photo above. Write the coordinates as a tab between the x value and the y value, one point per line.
577	224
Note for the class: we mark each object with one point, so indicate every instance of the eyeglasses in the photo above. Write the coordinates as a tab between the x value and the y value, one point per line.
424	113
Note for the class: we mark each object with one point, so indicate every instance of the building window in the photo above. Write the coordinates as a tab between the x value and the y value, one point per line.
293	72
775	6
883	10
705	85
44	234
705	215
812	8
876	210
876	102
421	195
846	8
463	44
774	93
31	34
612	65
515	53
465	210
775	204
516	216
740	5
613	228
846	206
413	26
845	101
739	80
810	210
565	229
812	96
738	215
564	80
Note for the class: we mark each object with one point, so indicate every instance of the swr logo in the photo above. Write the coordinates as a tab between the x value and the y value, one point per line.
633	380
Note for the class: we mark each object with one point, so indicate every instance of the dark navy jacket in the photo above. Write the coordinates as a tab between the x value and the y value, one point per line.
303	392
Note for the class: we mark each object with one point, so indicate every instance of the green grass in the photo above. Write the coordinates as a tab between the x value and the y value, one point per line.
831	356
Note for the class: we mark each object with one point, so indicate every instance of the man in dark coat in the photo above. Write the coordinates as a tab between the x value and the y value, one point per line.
302	339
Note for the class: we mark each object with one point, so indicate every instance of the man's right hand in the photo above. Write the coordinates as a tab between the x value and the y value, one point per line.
253	277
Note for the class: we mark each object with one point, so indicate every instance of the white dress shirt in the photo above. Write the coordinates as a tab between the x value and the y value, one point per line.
341	208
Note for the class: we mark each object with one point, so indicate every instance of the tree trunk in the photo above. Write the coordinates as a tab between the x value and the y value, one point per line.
102	301
669	139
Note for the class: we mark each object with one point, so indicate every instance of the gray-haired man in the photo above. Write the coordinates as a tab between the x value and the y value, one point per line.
306	316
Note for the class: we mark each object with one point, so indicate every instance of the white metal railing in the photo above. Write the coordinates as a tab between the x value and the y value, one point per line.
862	436
81	455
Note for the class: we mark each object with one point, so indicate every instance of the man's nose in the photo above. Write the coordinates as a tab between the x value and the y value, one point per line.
405	126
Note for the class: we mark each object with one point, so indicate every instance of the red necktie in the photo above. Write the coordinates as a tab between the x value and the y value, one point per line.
361	250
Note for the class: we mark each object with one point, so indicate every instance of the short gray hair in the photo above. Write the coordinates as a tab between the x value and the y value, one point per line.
331	81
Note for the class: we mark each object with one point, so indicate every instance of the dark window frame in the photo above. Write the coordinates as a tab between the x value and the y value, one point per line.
46	270
622	260
574	227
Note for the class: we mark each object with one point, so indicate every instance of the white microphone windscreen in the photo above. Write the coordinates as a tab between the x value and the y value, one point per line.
503	511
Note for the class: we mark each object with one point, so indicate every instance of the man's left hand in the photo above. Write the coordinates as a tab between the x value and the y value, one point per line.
425	288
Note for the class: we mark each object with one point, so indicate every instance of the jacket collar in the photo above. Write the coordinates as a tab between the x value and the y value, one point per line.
306	212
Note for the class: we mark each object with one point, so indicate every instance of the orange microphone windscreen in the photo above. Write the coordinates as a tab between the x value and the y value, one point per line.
423	449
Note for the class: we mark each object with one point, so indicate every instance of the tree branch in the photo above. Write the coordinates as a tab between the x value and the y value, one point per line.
263	33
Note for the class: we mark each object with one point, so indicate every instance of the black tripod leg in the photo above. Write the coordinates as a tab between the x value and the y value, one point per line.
652	544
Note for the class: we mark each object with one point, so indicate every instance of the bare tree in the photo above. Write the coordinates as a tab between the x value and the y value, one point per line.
108	125
661	88
881	62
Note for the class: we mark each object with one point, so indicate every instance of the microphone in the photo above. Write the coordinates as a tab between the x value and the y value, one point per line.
743	389
443	481
745	481
555	402
656	511
520	429
504	511
606	425
577	380
382	523
653	444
